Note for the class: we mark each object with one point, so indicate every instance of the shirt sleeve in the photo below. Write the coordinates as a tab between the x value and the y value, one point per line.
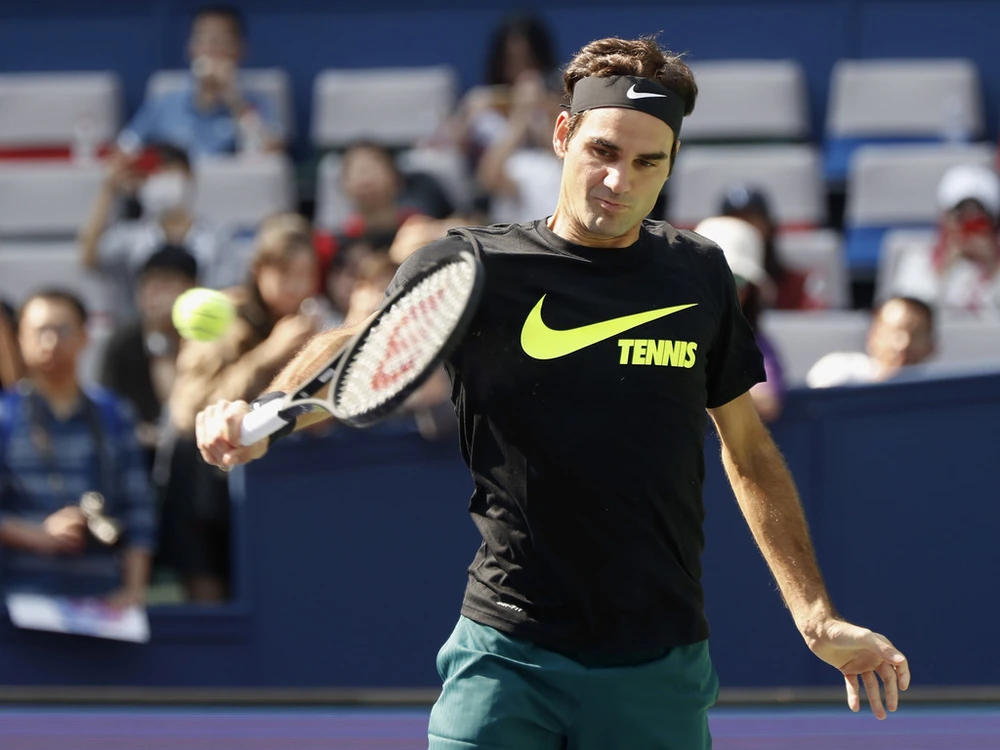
139	507
139	130
735	363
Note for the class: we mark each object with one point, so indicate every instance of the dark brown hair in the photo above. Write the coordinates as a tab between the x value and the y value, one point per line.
58	296
642	57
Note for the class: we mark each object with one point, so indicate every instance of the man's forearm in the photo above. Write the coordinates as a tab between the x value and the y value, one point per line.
766	494
135	569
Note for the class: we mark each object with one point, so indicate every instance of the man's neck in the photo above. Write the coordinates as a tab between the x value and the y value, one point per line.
62	394
562	225
176	225
382	218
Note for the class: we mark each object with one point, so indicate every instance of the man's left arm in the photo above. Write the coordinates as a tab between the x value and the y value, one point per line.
770	503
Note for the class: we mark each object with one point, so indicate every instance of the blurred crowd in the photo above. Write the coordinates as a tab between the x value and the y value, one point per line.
131	439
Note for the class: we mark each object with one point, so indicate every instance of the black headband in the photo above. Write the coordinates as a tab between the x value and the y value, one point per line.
630	92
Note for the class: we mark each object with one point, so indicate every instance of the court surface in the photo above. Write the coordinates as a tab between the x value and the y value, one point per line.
148	728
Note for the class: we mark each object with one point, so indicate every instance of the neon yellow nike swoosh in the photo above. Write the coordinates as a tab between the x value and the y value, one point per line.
541	342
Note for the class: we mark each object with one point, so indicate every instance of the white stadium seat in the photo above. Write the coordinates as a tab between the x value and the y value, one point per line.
904	98
820	254
242	191
49	109
271	84
46	198
789	174
396	106
898	184
749	99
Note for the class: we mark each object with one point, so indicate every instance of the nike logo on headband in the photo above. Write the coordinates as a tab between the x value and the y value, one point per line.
633	94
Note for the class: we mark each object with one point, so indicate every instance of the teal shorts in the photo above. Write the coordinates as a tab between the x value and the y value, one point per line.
503	693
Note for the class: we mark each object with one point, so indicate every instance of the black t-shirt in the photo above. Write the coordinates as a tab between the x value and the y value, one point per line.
583	424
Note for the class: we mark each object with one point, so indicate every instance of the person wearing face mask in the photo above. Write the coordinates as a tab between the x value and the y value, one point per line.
276	313
213	114
163	183
961	270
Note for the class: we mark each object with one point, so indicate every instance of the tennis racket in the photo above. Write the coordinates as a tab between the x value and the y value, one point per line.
411	334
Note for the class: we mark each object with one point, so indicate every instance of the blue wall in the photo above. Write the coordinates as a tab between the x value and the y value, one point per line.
352	554
135	38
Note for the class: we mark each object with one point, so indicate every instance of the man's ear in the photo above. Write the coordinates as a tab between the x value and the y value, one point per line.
560	134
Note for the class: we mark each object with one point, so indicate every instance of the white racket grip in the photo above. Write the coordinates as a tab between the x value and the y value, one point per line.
263	421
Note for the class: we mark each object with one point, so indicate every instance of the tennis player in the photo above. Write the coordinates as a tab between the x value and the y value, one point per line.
581	389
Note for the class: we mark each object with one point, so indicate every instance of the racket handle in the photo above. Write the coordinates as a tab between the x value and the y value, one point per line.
263	421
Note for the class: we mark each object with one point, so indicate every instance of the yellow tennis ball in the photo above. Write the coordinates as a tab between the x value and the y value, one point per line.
201	314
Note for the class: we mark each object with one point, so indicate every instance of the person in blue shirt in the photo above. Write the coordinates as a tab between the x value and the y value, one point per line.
60	441
213	114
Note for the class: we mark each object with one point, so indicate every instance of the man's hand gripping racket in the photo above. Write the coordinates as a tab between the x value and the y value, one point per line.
379	368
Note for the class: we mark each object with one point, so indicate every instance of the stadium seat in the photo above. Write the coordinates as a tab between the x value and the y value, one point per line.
802	338
395	106
243	191
896	187
27	266
446	166
43	114
271	84
820	254
48	199
896	243
899	101
749	100
790	174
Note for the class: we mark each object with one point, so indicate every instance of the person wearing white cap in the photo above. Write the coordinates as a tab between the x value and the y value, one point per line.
962	269
743	245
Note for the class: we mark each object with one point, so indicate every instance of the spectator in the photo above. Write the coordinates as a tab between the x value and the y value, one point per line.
140	359
374	188
519	171
521	46
268	330
165	187
793	290
743	247
212	114
901	335
961	271
59	441
11	363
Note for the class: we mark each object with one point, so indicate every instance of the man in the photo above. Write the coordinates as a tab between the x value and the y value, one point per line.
213	115
59	441
166	195
901	335
140	360
960	268
583	625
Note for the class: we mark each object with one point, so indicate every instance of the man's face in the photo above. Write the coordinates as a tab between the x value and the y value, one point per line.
973	231
614	168
369	179
215	37
156	294
52	338
900	336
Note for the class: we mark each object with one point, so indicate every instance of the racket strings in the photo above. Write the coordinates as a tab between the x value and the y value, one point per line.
406	339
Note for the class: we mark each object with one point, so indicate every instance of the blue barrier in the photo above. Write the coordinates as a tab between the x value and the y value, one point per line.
352	552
